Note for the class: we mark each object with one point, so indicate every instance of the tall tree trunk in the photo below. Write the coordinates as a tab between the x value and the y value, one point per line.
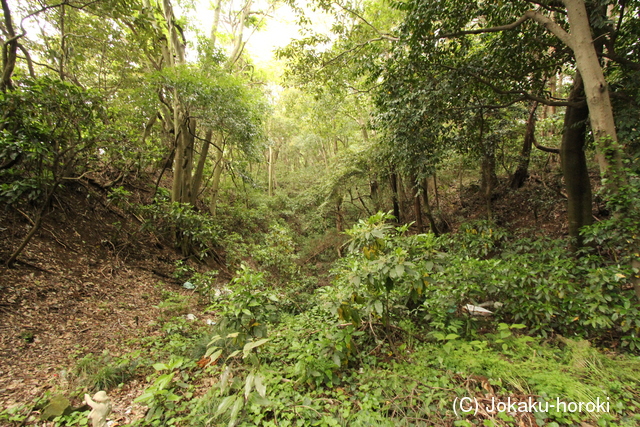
199	173
270	171
597	92
574	164
488	168
339	217
403	197
417	207
185	128
375	193
489	179
427	207
522	171
215	183
435	189
63	43
238	44
216	22
581	42
393	181
9	49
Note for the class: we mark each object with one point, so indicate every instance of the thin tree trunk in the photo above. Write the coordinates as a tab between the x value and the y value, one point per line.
489	180
488	169
34	228
417	207
270	172
435	189
427	207
375	194
339	217
63	44
147	128
215	184
199	173
216	22
238	45
522	171
393	180
574	164
403	197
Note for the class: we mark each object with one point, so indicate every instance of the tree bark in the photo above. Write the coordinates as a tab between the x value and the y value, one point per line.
522	171
238	44
215	184
9	49
393	181
574	165
339	217
216	22
375	193
270	171
417	207
488	168
596	90
489	179
199	173
581	42
427	207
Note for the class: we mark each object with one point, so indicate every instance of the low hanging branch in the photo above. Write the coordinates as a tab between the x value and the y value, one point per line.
545	21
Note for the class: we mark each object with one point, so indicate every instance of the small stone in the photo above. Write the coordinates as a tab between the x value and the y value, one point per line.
56	407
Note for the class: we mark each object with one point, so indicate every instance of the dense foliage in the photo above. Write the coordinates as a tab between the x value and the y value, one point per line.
342	224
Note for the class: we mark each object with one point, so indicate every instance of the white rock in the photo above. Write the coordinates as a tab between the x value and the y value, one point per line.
475	310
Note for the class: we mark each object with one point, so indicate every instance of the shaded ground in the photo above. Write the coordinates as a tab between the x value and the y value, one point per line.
83	285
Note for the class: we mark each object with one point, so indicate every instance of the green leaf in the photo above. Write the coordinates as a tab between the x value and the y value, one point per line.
225	404
163	381
248	385
251	345
378	306
399	270
260	387
215	356
237	406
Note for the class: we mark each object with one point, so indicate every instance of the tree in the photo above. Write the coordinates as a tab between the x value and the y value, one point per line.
450	49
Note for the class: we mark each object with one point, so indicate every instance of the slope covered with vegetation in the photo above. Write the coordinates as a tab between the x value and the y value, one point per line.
420	213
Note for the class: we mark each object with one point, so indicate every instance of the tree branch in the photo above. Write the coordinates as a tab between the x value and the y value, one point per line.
524	94
545	149
343	53
552	6
541	19
380	33
27	57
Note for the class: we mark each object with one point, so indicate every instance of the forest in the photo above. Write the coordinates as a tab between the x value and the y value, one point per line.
320	213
